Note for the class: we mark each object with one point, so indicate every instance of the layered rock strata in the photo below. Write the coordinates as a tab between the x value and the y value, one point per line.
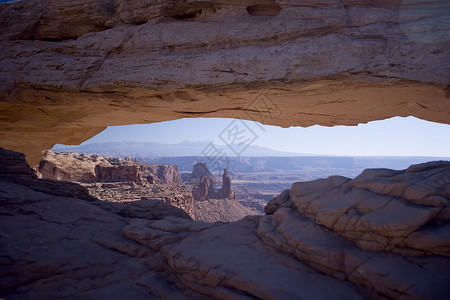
66	247
215	206
71	69
226	192
198	170
204	189
119	180
81	167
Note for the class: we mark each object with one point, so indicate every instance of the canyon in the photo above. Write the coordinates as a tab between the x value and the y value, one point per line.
81	167
70	69
384	234
127	184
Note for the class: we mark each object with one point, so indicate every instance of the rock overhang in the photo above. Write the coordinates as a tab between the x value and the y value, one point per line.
276	62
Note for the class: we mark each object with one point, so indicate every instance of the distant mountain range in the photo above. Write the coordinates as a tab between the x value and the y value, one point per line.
337	165
254	158
155	149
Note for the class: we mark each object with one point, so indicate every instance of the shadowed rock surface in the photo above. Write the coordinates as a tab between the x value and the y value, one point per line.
221	210
60	246
67	247
68	70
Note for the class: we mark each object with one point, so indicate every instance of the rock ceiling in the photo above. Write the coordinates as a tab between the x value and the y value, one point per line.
69	69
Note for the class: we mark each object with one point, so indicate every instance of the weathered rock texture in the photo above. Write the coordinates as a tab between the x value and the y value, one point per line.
226	192
204	189
81	167
215	206
68	70
404	212
56	245
129	196
401	219
14	169
120	180
60	246
198	170
70	166
221	210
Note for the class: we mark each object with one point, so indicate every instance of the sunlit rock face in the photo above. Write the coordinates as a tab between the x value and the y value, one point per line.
69	69
81	167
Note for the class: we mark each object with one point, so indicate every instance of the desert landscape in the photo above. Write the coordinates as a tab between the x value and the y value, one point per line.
328	238
126	182
94	225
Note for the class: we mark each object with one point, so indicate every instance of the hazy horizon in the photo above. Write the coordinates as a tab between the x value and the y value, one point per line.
391	137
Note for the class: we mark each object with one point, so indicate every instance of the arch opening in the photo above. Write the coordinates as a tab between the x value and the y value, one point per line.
260	160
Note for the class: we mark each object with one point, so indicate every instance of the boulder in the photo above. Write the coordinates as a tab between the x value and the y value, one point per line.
383	210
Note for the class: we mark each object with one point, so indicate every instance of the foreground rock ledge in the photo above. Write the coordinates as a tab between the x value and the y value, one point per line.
391	240
68	70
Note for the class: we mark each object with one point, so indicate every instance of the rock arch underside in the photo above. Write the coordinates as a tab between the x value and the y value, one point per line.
69	69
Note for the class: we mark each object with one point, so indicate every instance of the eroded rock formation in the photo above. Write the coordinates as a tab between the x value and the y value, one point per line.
197	172
97	250
400	217
68	70
127	183
215	206
81	167
69	166
204	189
225	192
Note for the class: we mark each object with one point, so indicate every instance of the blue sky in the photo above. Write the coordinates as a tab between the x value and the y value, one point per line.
393	137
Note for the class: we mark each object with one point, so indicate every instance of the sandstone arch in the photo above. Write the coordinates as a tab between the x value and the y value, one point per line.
69	69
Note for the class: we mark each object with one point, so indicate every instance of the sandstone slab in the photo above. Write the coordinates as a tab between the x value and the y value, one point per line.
380	208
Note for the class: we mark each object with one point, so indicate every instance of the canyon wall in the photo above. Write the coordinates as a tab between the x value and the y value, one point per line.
71	69
81	167
165	174
198	170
